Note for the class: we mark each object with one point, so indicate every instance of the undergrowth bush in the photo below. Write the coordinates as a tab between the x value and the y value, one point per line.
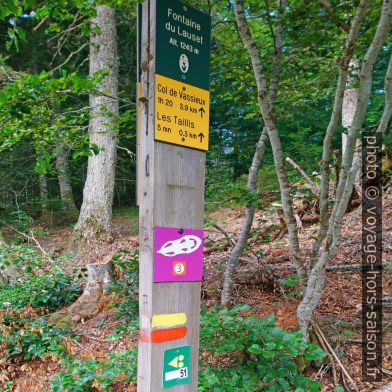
49	291
24	305
33	284
23	259
24	332
251	354
239	352
91	374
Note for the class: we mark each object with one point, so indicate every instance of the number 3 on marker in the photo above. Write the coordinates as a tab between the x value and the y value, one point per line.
179	268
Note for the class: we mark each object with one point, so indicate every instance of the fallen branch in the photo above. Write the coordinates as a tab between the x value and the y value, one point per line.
330	268
224	232
345	372
208	251
31	238
229	242
313	186
385	371
323	345
386	388
271	273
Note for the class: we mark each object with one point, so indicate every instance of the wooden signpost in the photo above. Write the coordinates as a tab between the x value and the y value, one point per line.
173	137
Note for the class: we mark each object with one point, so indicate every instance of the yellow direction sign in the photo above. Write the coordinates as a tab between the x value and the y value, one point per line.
182	113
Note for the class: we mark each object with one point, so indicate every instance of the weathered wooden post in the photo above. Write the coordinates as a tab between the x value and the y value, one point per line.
174	113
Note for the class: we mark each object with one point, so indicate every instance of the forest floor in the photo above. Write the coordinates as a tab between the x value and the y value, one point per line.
338	314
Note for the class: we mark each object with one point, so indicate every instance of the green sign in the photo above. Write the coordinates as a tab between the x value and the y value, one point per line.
183	43
176	366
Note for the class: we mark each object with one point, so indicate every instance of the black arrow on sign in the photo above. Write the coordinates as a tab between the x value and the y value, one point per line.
183	65
201	135
202	111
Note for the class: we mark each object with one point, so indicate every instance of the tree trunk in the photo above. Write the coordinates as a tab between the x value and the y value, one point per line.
386	116
350	101
268	114
258	155
44	195
2	239
96	211
99	277
66	194
350	166
246	223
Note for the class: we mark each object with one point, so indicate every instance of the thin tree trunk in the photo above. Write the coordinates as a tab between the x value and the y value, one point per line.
332	126
2	239
66	194
350	101
96	212
316	279
270	123
254	169
44	195
246	223
386	116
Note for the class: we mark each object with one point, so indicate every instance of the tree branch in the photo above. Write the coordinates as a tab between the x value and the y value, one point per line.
313	186
257	158
328	7
343	62
70	57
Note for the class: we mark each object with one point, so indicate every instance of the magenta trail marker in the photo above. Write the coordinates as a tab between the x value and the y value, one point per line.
178	254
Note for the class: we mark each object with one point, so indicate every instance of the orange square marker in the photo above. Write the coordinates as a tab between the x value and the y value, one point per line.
179	268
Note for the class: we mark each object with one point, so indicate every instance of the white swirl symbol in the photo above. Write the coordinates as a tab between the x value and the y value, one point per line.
184	245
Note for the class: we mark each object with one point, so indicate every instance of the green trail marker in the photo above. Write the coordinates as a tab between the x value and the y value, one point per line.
183	43
176	366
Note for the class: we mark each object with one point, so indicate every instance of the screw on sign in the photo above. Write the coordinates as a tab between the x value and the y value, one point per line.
184	245
176	366
178	254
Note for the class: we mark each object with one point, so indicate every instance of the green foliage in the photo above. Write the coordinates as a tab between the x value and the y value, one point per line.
24	304
24	258
253	354
79	376
24	332
49	291
291	280
27	111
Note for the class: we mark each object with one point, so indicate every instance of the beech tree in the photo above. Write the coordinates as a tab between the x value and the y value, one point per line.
96	212
312	273
256	162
